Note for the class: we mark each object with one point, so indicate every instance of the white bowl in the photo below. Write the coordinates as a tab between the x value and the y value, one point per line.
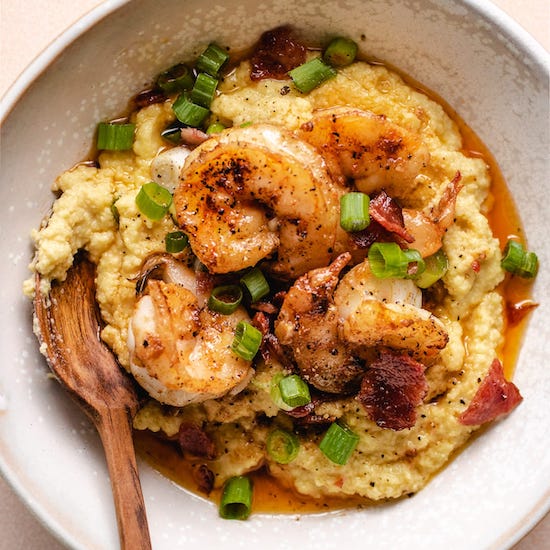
494	75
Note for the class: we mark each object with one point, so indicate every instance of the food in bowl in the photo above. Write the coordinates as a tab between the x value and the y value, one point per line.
295	261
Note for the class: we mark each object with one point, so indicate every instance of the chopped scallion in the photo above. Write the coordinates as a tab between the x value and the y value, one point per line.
115	212
212	60
175	241
176	79
255	283
416	264
294	391
387	260
204	90
113	136
188	112
247	340
311	74
282	446
215	128
236	500
340	52
338	443
153	200
225	299
275	392
519	261
354	211
436	266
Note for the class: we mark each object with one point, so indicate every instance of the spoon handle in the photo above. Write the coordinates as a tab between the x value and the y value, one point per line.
114	427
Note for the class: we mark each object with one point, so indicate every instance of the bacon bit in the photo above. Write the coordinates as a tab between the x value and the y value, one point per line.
373	233
443	213
277	52
495	397
339	482
204	478
270	346
193	136
391	390
476	266
195	440
148	97
385	210
516	312
265	307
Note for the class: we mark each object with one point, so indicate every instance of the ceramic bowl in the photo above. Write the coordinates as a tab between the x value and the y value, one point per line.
473	56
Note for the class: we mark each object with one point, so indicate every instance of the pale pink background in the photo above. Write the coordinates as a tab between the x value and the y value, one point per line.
26	28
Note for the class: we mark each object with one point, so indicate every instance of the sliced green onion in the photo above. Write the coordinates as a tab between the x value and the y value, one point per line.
225	299
153	200
215	128
340	52
282	446
204	90
176	79
311	74
175	242
519	261
112	136
188	112
247	340
275	392
354	211
294	391
115	212
414	257
212	60
172	132
256	284
387	260
236	500
338	443
436	266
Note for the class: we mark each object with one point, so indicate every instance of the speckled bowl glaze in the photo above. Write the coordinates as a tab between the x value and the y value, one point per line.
473	56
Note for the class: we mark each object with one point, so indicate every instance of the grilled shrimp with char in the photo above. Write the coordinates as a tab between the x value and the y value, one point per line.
367	148
180	350
249	194
333	328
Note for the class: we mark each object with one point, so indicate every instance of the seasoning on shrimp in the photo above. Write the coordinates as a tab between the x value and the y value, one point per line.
396	328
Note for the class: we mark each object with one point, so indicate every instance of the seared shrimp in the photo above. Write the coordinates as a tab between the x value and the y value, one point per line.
307	328
368	148
387	313
249	193
332	328
427	230
180	352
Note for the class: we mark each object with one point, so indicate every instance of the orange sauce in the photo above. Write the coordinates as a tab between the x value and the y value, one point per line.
270	496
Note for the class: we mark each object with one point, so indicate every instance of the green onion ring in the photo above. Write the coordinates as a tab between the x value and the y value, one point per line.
225	299
282	446
247	340
236	499
153	200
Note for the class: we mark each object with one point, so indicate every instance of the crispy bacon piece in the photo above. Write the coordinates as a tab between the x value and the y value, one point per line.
277	52
270	346
204	478
391	390
495	397
194	440
148	97
385	210
374	233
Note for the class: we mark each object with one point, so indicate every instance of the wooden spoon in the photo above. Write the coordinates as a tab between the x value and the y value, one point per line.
68	329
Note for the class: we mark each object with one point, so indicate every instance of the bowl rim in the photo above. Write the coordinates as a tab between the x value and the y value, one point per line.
489	12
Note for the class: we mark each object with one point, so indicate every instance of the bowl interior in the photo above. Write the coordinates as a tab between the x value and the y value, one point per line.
474	58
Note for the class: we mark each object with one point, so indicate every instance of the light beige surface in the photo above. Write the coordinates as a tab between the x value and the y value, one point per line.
24	33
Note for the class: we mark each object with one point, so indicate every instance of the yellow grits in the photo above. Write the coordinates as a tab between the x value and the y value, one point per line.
386	463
